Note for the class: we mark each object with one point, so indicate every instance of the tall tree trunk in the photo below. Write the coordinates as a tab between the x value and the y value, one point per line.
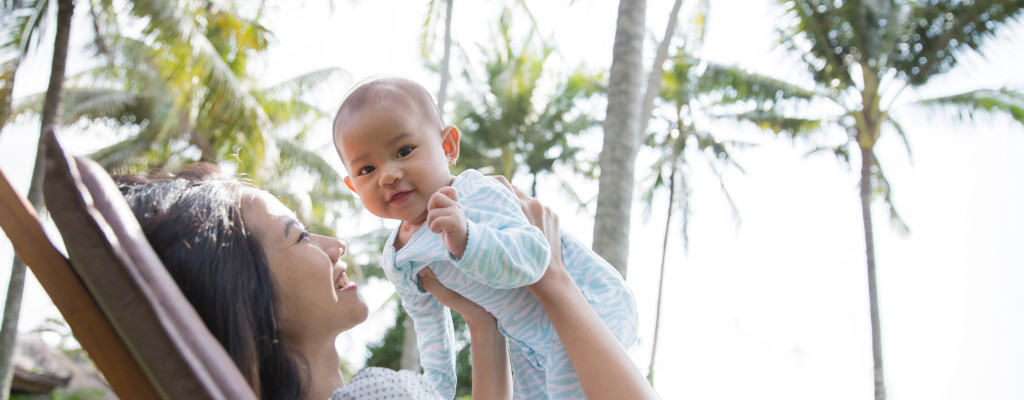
533	186
12	306
661	274
621	125
867	161
442	92
657	70
410	353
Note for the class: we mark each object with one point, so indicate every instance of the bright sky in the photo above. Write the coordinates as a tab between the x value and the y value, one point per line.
776	306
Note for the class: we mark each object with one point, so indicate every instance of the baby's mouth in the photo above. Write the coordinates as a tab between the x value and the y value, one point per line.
399	196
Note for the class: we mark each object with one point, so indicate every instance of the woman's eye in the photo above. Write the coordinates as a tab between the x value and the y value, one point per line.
365	170
303	236
404	151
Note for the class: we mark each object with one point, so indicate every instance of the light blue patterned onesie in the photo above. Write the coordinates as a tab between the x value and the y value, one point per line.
504	252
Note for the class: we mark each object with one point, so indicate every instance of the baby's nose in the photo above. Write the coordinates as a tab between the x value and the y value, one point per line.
390	176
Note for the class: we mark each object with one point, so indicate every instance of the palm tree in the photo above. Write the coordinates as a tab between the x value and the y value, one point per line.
657	68
427	43
12	306
695	92
22	21
428	39
862	56
199	58
621	128
505	126
410	357
189	118
182	82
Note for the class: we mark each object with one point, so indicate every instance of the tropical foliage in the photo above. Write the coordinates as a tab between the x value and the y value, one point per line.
506	123
24	30
181	88
696	92
862	56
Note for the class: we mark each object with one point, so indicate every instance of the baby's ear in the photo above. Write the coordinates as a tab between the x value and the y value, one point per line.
450	142
348	182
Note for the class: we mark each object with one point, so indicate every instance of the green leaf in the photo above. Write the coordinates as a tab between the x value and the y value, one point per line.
982	101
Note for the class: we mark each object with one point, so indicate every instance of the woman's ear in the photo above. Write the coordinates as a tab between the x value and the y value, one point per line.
348	182
450	143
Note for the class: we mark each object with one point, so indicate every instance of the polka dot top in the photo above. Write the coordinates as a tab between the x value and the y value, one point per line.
375	383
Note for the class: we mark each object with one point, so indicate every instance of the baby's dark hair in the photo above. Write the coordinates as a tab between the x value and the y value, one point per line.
385	90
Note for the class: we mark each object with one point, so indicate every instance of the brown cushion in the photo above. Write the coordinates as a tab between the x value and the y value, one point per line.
122	272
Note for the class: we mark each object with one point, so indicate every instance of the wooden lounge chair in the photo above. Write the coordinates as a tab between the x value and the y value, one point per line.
120	302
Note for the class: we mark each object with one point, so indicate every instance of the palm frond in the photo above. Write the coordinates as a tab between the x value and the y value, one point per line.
116	104
725	190
819	25
296	87
570	192
720	149
291	152
841	152
432	22
289	110
896	126
8	70
777	123
940	31
23	22
189	55
117	156
682	204
881	186
28	105
734	84
653	182
986	101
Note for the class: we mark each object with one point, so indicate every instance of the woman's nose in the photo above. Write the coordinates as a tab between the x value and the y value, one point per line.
335	248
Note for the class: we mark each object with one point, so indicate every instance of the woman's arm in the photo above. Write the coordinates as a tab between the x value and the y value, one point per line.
602	365
492	378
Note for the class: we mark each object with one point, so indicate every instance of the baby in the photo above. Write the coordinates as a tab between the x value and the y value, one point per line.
472	234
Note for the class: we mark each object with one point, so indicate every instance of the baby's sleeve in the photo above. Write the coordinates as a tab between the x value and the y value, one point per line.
435	338
503	250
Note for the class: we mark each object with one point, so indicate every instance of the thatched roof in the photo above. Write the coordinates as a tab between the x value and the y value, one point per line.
41	368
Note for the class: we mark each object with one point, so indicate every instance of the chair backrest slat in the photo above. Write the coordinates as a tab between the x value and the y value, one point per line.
89	325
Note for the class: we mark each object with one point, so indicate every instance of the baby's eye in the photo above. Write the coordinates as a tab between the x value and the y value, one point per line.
303	236
404	151
365	170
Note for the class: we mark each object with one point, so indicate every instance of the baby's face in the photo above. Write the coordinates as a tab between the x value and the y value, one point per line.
395	159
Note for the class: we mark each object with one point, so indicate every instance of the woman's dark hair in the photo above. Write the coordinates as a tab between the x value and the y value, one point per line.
194	222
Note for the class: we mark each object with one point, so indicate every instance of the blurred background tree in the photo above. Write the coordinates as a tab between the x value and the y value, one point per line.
26	26
173	83
508	123
862	56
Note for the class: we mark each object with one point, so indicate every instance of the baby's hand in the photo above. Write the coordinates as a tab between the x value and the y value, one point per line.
445	216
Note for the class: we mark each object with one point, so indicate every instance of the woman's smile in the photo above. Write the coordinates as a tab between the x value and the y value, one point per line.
342	283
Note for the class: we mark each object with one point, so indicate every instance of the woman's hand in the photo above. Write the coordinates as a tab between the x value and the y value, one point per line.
492	377
473	313
556	277
604	368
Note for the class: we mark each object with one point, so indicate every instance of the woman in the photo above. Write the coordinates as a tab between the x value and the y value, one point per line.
277	296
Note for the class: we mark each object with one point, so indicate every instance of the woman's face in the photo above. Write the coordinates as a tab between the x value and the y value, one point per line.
315	297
